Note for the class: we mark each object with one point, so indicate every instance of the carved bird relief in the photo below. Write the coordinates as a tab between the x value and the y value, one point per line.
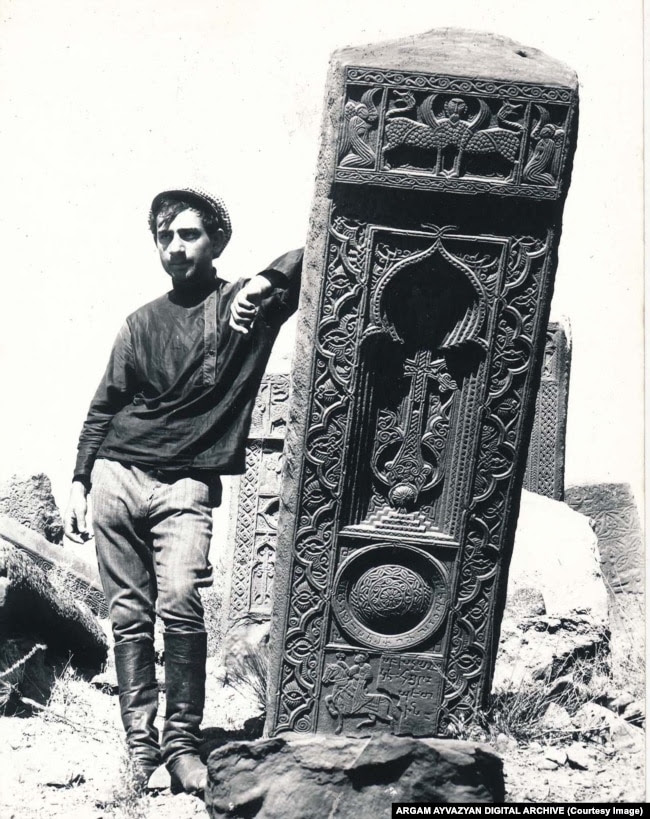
453	129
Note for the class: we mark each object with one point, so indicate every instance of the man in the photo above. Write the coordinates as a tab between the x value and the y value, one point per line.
170	416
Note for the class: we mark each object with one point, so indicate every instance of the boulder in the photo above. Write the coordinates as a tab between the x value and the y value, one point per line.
579	757
595	720
556	555
30	606
550	623
556	718
31	502
292	777
634	712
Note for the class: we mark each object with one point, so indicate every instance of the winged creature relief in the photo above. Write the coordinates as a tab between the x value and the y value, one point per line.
453	129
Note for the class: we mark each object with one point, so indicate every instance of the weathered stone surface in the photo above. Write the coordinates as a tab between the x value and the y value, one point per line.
593	719
30	606
255	510
578	757
30	501
423	310
545	464
244	638
548	622
634	712
556	718
613	514
545	649
65	572
294	778
554	543
212	599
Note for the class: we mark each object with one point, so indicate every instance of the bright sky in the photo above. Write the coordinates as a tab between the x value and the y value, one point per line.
103	104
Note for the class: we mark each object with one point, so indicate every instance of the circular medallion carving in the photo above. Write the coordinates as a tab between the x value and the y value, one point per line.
390	596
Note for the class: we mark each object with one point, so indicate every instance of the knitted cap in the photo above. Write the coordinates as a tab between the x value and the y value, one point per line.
203	199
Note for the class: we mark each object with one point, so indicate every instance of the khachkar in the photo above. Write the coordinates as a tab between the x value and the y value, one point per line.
256	504
545	465
444	165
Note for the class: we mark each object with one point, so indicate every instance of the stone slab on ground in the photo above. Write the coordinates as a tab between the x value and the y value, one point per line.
78	577
30	605
30	501
294	777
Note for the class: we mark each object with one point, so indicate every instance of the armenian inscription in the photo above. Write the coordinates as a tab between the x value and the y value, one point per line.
425	313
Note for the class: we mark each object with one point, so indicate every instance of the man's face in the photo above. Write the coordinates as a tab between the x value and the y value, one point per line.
186	251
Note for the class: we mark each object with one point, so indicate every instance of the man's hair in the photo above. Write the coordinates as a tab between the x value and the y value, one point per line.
168	208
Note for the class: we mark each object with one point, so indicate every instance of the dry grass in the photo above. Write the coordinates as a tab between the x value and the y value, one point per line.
520	713
248	673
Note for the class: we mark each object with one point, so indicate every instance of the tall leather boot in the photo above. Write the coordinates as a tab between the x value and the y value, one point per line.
136	678
185	656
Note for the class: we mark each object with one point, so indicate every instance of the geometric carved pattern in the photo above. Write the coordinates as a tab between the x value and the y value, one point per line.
61	573
388	596
545	465
513	270
614	517
425	320
257	509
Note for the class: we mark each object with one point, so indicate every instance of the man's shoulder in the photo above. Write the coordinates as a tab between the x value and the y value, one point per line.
151	308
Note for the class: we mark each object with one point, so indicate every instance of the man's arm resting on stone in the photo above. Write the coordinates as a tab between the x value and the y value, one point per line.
114	392
281	279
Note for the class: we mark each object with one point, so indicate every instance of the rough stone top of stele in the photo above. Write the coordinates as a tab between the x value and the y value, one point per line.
461	52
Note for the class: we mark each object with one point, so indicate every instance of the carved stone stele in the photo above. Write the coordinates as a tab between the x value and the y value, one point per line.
546	450
444	164
255	508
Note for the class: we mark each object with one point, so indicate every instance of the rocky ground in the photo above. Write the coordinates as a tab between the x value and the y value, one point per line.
67	759
568	718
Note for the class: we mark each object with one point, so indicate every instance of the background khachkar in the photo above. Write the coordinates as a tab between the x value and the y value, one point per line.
425	305
546	449
256	504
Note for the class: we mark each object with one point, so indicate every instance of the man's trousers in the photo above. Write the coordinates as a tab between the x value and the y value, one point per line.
152	534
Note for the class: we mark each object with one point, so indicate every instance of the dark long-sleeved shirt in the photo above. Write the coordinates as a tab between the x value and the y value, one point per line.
180	384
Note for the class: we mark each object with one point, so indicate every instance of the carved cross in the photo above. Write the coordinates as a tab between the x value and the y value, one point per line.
408	472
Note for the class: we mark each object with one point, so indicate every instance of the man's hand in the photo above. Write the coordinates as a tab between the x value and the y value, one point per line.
245	306
74	520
